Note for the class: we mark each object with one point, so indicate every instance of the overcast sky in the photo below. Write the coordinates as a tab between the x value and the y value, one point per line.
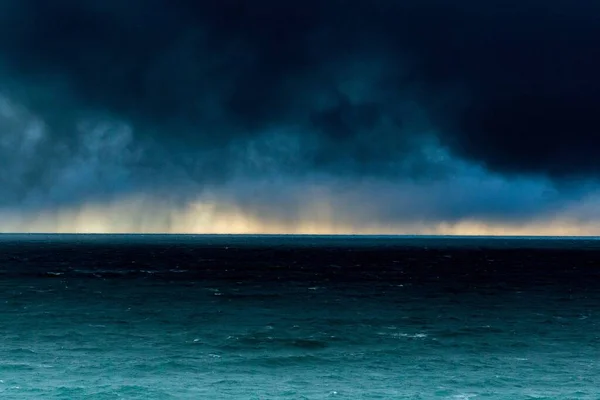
383	116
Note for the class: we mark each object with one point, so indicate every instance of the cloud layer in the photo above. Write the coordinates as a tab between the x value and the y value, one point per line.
401	101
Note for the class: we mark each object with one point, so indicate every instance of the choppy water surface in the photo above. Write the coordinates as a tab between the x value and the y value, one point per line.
299	318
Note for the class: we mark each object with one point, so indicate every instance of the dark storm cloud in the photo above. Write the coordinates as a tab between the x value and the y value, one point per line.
342	86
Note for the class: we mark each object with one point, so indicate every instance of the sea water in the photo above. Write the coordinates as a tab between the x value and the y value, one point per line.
240	317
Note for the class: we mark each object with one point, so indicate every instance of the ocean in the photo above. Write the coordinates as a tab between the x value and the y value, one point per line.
298	317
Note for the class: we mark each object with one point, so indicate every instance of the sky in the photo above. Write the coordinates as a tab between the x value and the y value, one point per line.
231	116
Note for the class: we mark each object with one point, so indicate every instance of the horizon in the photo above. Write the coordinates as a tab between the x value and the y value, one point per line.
305	235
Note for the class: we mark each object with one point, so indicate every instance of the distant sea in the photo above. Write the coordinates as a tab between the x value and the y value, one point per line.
298	317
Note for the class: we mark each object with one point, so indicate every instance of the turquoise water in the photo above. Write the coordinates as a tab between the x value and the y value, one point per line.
75	325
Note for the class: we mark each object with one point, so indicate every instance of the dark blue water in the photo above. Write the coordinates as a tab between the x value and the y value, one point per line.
267	317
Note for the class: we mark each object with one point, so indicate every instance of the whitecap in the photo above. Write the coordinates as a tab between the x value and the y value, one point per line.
404	335
464	396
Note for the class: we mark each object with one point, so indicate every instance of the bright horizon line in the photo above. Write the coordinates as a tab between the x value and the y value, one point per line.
321	218
366	235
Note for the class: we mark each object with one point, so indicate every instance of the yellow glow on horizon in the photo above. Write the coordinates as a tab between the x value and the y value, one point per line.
140	215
